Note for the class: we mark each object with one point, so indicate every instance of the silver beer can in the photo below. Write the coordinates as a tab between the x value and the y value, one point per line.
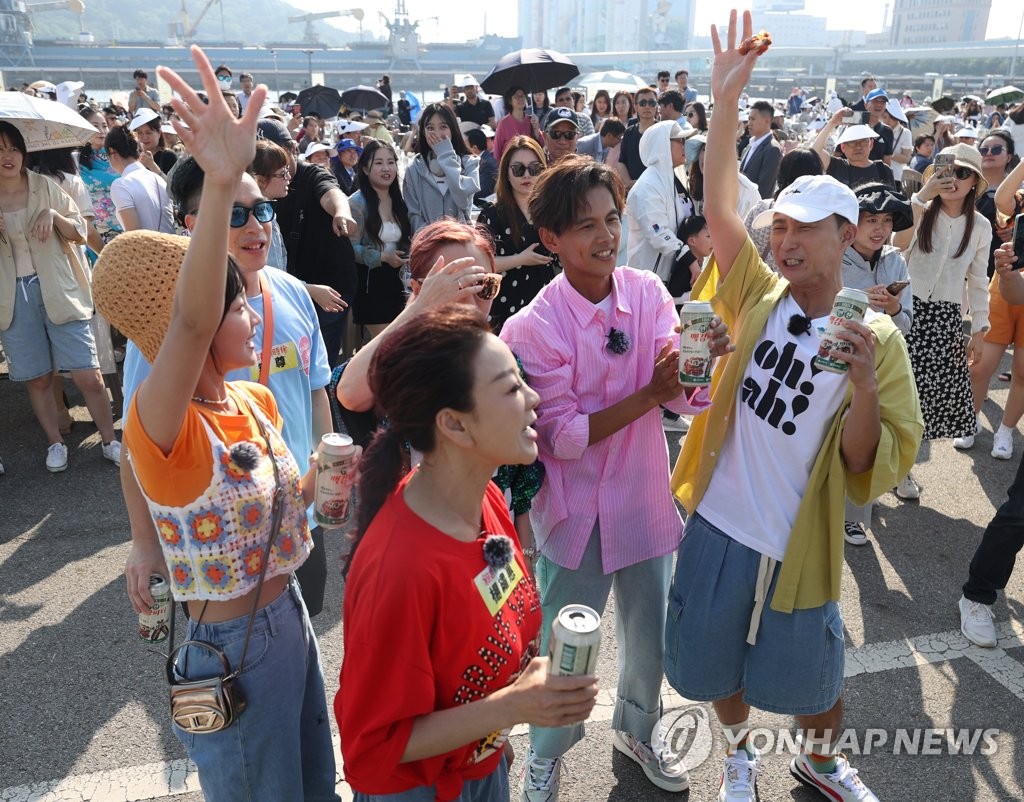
575	641
850	304
695	344
155	623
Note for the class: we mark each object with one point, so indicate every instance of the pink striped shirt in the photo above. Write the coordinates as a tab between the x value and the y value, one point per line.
623	480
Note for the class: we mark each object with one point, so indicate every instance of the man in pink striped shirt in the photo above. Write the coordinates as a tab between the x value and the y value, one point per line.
598	345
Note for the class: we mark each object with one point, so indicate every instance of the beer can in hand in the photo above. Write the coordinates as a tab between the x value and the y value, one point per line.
575	641
334	463
695	344
850	304
155	623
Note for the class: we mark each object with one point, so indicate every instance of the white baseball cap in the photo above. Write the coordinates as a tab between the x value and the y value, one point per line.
811	198
854	133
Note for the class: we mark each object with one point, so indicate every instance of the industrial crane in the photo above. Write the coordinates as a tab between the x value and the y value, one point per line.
311	37
189	27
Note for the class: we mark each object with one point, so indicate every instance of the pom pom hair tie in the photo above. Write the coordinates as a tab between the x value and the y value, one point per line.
246	455
799	324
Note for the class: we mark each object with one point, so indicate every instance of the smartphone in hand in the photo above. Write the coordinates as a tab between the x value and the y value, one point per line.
944	164
897	287
1018	238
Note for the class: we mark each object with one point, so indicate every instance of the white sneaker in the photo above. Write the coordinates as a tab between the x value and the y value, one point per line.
540	779
908	488
57	458
1002	445
842	785
112	452
665	769
679	424
968	441
976	622
739	778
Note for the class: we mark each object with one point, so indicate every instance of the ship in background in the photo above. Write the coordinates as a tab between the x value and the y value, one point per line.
284	66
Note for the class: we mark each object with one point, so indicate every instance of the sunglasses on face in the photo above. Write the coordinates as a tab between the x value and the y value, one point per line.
648	103
533	168
963	173
562	134
995	150
263	211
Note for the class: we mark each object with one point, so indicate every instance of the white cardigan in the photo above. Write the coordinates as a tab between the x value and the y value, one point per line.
938	276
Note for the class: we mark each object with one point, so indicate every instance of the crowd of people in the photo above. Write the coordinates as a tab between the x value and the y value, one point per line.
452	291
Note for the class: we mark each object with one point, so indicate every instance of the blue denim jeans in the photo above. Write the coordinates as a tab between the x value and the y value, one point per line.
280	746
641	593
492	788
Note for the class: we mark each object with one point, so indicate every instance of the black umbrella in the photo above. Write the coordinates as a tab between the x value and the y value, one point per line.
533	69
943	105
364	98
287	97
322	101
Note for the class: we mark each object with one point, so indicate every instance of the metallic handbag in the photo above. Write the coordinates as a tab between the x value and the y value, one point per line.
213	704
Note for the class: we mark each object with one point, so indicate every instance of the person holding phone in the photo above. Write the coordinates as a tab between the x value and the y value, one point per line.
878	268
1007	321
947	246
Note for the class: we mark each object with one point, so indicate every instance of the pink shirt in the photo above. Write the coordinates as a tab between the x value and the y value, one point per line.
623	480
508	129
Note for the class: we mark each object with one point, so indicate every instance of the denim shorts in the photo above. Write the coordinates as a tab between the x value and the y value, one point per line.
35	346
280	746
795	667
492	788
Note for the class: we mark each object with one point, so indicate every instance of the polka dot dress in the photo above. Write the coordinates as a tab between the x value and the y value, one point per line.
519	285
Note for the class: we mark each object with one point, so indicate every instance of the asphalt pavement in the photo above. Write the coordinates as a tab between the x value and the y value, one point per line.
82	700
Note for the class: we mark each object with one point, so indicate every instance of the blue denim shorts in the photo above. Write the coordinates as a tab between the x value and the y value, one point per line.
35	346
796	665
280	746
492	788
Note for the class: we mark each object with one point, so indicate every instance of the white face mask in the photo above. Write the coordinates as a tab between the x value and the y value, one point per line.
225	81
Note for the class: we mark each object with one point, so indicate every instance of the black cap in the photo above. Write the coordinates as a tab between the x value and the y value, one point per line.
562	115
881	198
274	131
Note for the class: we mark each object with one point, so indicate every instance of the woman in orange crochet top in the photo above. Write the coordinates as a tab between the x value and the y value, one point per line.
217	474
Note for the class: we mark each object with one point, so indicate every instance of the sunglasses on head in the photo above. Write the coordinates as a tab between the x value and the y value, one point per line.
562	134
533	168
263	211
650	103
995	150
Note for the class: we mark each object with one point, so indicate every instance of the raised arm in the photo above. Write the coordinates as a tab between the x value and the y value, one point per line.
224	147
820	145
1005	194
729	75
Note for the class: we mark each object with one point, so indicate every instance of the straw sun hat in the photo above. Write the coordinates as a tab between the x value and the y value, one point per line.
133	285
963	156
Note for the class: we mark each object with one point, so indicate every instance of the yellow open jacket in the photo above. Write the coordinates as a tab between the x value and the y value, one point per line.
812	566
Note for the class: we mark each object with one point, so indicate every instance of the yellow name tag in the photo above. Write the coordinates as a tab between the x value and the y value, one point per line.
496	585
284	356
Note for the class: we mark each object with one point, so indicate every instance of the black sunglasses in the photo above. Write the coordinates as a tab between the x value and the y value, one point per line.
995	150
263	211
534	168
963	173
646	103
562	134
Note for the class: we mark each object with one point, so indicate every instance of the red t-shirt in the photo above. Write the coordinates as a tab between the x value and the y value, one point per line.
427	628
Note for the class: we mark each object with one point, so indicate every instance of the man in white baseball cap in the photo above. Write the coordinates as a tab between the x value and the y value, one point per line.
753	614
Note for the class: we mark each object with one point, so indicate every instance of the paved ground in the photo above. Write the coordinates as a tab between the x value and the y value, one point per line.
82	713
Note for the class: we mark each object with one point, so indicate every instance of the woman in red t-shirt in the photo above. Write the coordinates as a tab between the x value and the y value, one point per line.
441	614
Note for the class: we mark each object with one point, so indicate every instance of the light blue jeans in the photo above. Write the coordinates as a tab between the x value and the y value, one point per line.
641	593
280	746
492	788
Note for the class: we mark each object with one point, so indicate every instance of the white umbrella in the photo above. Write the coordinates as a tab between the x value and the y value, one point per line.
45	124
612	80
